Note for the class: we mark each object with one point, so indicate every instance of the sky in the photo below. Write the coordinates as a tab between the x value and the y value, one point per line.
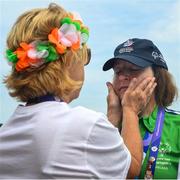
111	22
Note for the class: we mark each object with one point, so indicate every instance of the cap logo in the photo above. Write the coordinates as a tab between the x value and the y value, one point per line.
126	49
156	55
129	42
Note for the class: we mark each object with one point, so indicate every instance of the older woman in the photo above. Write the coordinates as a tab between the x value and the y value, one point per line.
45	138
159	126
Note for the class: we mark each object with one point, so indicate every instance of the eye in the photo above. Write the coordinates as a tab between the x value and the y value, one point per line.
135	69
117	72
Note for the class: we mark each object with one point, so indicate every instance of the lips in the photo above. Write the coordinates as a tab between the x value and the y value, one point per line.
122	88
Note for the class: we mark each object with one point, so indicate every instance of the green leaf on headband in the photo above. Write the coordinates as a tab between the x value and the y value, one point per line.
78	25
53	55
85	30
11	56
42	46
66	20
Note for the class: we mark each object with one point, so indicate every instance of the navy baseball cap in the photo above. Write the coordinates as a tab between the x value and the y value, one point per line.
141	52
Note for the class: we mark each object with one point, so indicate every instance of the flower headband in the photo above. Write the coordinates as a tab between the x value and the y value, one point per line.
72	34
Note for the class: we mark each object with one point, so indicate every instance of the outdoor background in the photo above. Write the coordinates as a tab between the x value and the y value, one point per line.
110	22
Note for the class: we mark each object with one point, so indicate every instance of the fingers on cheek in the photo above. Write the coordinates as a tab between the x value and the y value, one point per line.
144	98
149	87
150	90
141	97
138	92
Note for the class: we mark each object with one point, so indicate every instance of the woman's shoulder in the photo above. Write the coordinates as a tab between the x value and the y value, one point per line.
83	112
172	112
172	116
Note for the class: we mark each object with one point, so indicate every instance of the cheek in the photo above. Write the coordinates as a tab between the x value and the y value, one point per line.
116	88
77	73
115	84
80	75
145	74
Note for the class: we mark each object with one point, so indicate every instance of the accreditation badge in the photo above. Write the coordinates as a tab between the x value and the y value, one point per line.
149	174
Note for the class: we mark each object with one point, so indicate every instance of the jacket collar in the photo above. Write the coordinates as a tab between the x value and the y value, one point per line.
150	121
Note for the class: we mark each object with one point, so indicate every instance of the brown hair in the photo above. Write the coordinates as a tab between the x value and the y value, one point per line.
165	91
52	77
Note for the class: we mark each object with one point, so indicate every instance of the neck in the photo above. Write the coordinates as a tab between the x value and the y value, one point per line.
44	98
149	108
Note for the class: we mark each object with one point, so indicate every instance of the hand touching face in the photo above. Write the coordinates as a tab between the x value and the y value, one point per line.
124	72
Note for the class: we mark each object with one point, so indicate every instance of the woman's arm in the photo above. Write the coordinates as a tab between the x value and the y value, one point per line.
134	100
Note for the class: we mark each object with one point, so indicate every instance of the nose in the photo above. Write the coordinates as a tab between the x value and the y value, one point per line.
123	77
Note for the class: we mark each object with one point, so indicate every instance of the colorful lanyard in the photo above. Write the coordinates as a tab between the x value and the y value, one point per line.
155	140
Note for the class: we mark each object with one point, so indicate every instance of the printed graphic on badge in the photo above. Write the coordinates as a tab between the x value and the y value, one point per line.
152	159
154	148
148	174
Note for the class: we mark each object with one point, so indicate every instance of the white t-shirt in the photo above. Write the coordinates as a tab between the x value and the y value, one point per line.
52	140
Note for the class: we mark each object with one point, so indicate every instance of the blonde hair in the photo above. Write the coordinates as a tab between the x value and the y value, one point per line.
51	78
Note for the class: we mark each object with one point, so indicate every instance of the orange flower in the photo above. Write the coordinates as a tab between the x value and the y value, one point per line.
23	60
53	37
76	46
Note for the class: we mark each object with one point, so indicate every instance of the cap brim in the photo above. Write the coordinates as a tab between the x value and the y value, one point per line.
132	59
